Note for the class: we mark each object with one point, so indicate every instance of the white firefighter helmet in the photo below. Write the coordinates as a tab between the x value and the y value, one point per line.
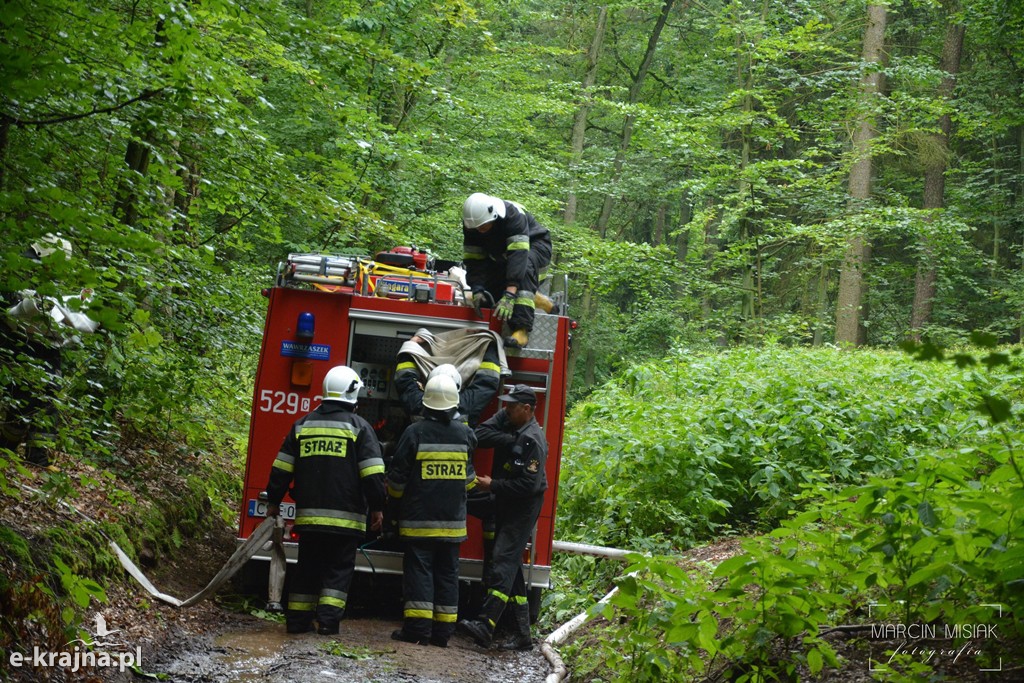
480	209
441	393
50	244
449	370
342	384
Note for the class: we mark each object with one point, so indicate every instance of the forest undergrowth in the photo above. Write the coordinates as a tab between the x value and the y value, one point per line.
877	494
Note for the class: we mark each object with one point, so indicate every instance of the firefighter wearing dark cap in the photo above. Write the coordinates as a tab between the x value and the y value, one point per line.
430	475
334	458
518	482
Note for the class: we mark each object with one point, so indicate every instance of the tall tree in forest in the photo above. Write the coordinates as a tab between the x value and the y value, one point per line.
935	160
634	97
579	124
849	321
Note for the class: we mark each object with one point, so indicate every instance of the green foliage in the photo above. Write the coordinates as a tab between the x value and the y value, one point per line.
681	624
184	149
564	600
938	539
681	449
15	546
46	585
80	590
246	604
11	470
337	649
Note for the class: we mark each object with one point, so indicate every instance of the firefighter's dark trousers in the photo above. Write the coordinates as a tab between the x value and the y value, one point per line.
430	584
522	311
514	523
480	504
322	578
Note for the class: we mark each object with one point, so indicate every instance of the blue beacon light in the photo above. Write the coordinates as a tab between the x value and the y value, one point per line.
302	368
304	328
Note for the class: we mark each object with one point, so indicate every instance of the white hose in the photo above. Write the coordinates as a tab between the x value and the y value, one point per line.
562	633
588	549
256	540
557	637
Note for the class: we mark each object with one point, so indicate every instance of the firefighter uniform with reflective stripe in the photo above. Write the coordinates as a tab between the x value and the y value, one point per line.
518	484
334	459
430	475
513	252
473	397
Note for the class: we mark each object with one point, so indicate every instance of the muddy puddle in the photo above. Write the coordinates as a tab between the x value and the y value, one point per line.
362	652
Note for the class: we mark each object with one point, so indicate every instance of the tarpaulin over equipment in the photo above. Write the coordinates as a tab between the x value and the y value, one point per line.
464	348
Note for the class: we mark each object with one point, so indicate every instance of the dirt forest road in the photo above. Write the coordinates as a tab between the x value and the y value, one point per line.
223	641
252	649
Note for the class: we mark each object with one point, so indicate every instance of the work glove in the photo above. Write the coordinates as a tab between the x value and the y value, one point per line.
482	300
503	311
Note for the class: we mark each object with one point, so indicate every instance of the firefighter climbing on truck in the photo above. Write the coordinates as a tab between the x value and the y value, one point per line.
506	252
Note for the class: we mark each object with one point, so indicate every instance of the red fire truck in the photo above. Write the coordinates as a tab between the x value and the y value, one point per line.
326	311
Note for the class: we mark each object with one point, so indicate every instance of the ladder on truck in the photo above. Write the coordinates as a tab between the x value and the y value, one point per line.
360	275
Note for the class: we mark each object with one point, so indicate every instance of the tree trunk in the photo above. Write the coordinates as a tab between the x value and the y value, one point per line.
5	130
627	127
1020	207
579	124
136	158
185	195
935	184
996	219
658	237
744	189
590	359
849	306
683	241
711	247
822	306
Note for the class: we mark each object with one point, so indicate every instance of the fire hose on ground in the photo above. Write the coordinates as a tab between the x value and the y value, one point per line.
562	633
271	529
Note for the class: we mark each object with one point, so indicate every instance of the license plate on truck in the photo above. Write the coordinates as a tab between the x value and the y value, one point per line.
258	508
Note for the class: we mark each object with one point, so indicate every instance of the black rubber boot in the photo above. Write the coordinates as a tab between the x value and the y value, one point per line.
405	637
480	632
520	640
517	340
299	626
